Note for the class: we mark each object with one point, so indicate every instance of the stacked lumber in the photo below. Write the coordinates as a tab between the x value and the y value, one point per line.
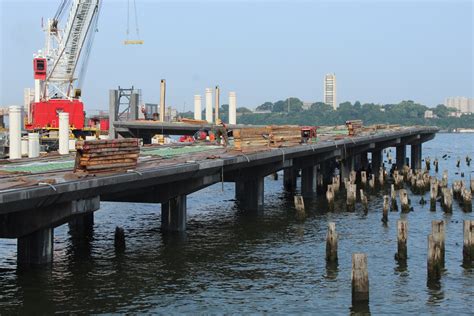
354	127
284	135
106	155
250	139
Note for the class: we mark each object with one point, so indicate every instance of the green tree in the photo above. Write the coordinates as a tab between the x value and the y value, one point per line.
267	106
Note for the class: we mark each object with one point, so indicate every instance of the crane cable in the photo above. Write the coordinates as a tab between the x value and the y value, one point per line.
137	30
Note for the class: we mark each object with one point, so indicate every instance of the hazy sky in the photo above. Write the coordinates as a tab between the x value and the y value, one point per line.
381	51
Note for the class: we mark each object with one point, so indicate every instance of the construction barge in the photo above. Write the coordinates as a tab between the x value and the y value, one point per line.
43	193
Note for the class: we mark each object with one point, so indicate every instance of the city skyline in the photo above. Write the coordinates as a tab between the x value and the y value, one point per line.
425	56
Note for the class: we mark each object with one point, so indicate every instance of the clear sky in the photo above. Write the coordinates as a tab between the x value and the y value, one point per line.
381	51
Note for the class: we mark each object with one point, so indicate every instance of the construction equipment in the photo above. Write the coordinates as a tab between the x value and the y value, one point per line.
308	134
60	67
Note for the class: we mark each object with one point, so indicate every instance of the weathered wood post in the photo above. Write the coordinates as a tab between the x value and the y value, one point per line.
471	183
351	197
364	201
458	162
402	237
275	176
381	175
336	183
433	193
436	165
353	176
468	244
299	204
330	196
393	196
119	239
331	243
372	181
363	177
428	163
438	232
444	179
447	200
466	200
386	205
434	259
457	185
404	202
360	278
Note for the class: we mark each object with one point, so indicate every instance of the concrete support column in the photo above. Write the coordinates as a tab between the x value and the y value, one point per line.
346	167
376	162
250	193
357	162
35	248
364	161
289	179
401	153
82	225
416	156
173	214
308	181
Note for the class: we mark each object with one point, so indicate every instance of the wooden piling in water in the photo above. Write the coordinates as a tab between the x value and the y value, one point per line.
363	177
353	176
372	181
439	233
364	201
330	196
331	243
468	243
381	176
275	176
457	186
436	165
119	239
359	278
386	205
444	179
447	200
393	197
404	201
299	203
434	259
402	237
466	200
428	163
433	193
351	196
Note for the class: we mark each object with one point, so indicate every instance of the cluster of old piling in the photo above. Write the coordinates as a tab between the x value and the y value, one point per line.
419	181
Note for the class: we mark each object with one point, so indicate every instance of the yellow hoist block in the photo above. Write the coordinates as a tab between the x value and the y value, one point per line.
133	42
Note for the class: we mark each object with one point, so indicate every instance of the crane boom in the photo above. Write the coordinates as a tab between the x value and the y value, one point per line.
56	67
77	27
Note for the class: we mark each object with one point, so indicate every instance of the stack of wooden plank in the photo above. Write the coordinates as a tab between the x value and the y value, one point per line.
108	155
354	127
284	135
250	139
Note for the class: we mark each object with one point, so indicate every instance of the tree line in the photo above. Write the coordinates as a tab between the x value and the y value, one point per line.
291	111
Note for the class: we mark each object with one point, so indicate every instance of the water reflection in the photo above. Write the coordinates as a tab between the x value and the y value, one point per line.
360	309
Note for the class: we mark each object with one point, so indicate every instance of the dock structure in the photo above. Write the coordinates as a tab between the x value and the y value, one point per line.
31	205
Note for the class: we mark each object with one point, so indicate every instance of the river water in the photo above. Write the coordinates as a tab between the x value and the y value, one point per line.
233	262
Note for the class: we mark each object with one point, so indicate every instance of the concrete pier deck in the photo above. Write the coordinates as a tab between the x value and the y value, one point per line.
31	205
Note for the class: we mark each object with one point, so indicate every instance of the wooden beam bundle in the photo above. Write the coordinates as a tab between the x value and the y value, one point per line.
107	155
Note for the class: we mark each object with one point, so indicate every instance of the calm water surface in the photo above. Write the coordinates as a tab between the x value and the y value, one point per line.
233	262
